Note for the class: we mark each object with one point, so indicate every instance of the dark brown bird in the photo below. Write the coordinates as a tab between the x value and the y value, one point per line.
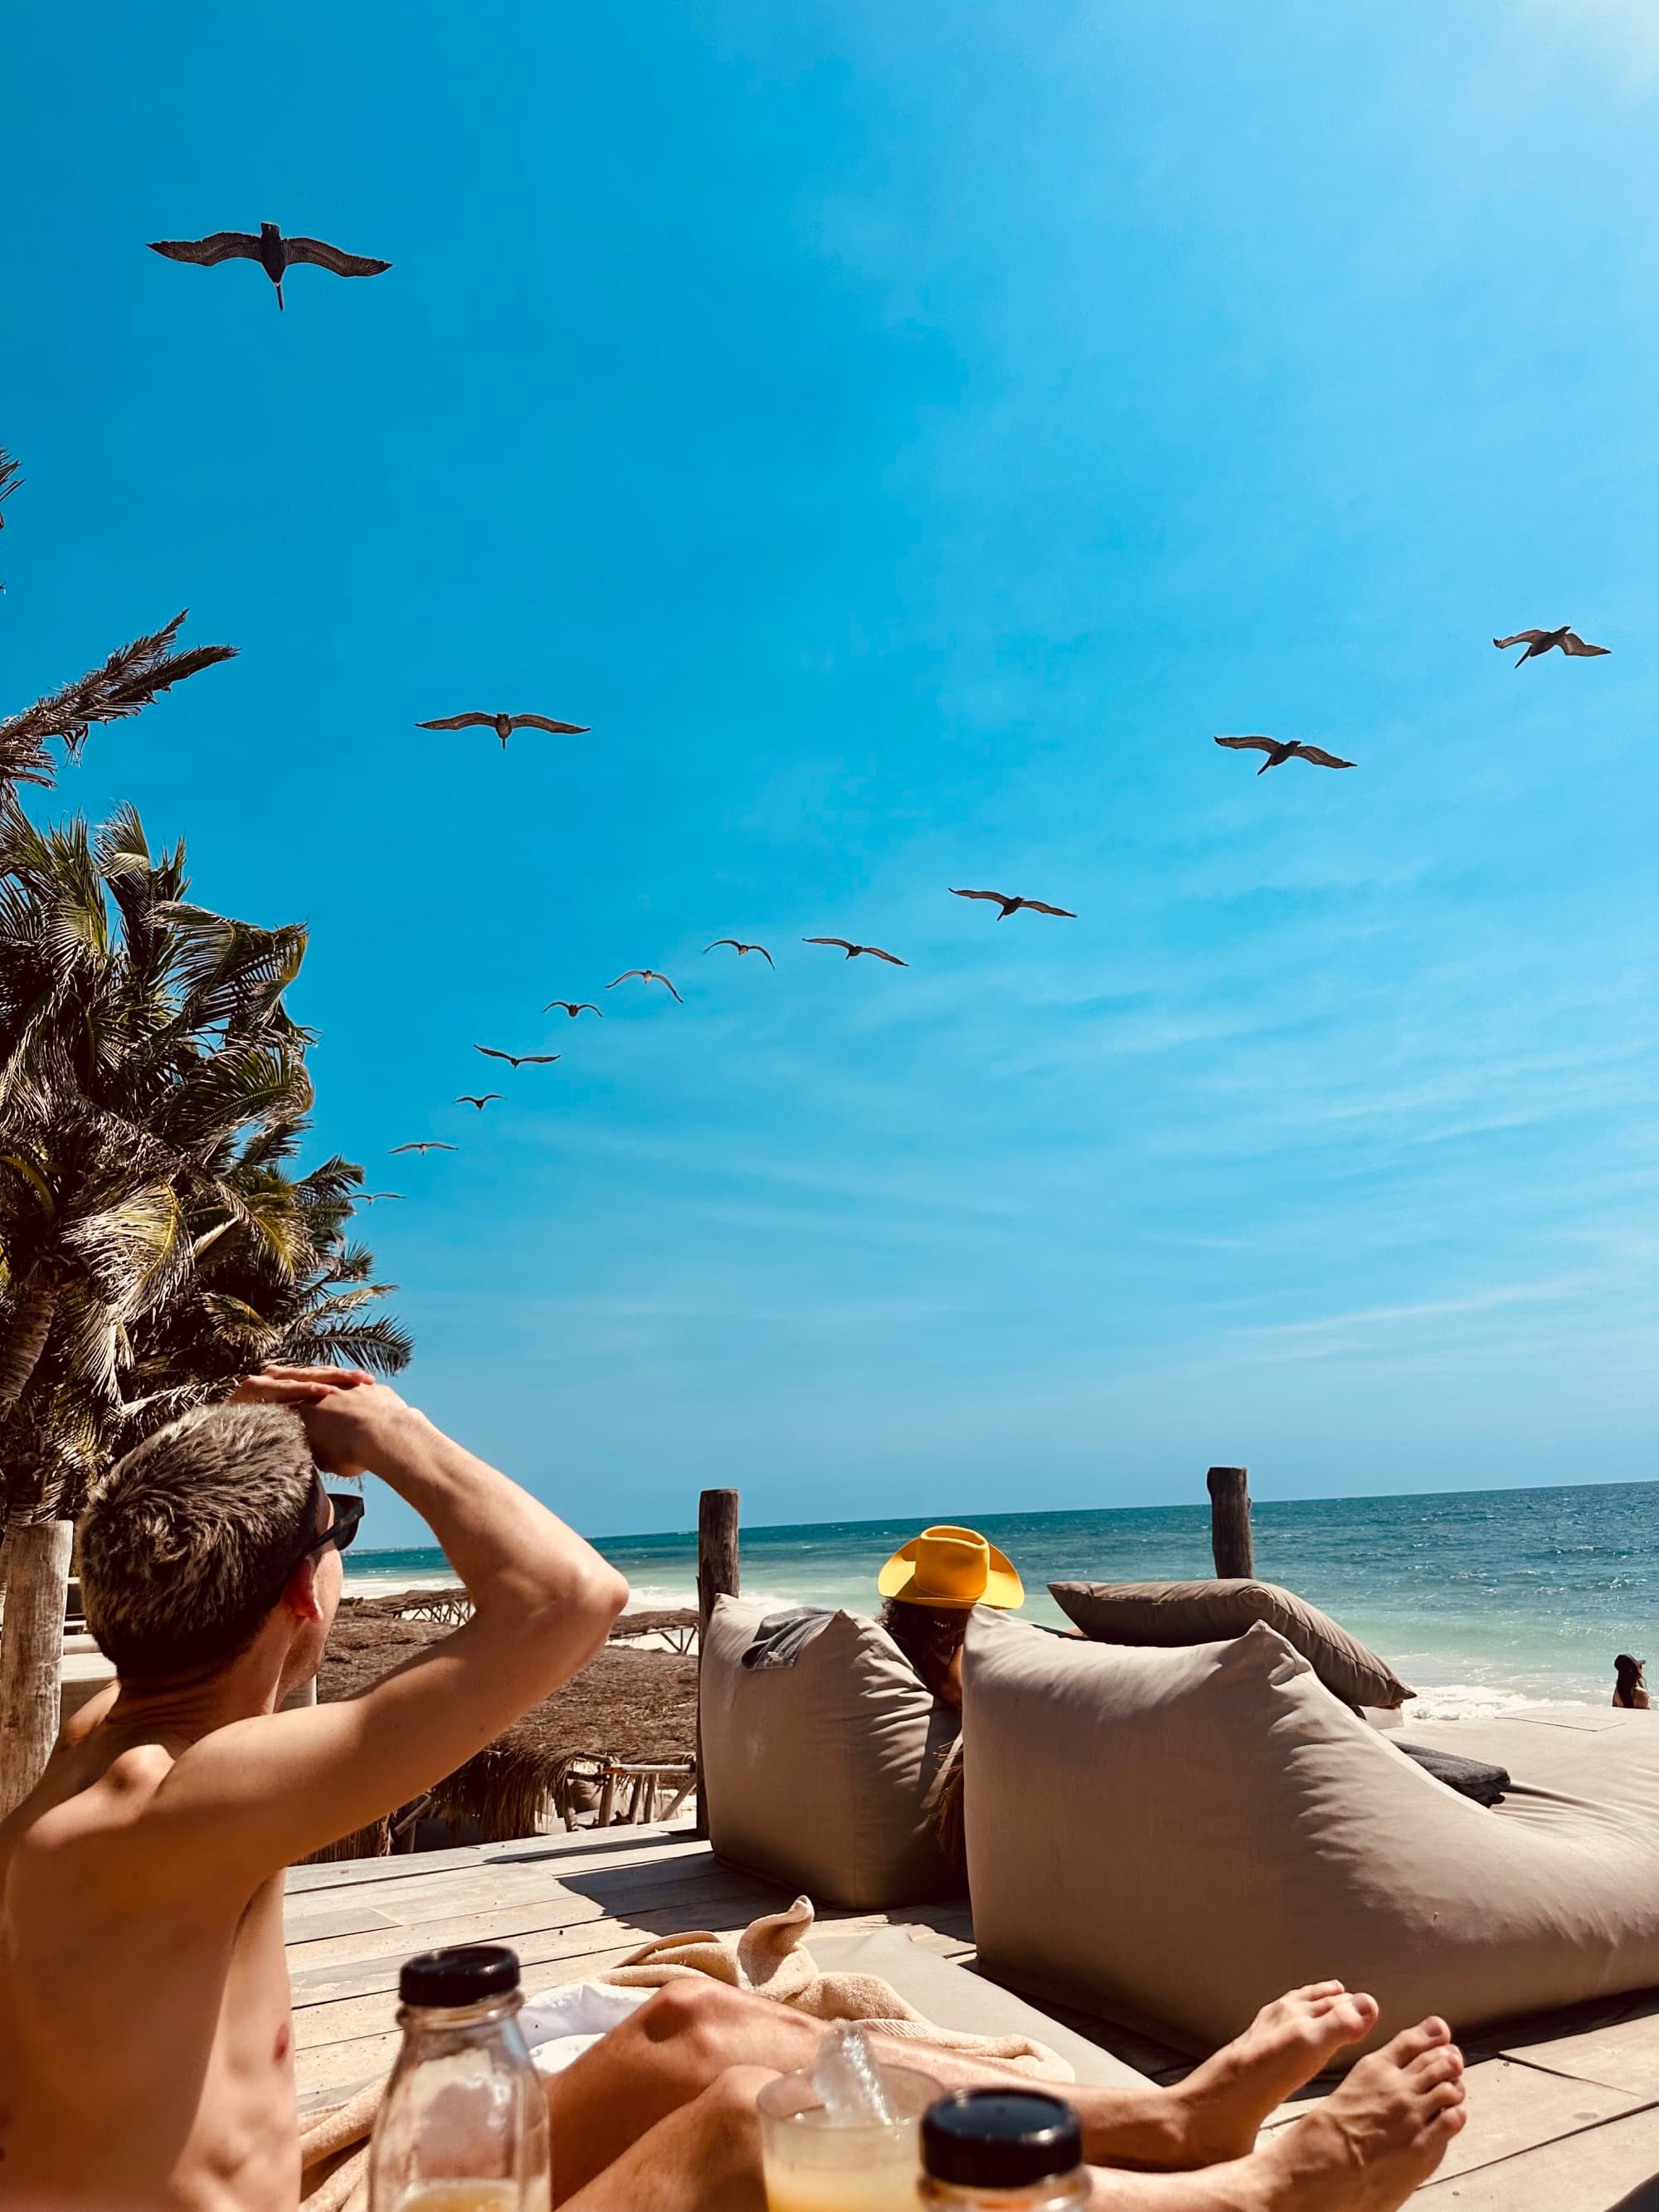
432	1146
471	1098
1014	905
574	1007
504	725
739	948
853	950
648	976
1278	751
275	254
519	1059
1540	642
374	1197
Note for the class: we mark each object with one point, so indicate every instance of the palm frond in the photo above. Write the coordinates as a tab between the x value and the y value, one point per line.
131	679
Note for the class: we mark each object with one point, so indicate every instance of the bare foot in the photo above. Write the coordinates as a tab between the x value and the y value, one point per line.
1223	2102
1374	2140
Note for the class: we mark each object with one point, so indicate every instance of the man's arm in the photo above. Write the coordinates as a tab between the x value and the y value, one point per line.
277	1787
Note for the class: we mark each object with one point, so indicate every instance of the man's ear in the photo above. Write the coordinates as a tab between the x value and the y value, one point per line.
300	1592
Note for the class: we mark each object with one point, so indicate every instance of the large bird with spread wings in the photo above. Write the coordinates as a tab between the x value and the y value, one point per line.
519	1059
1540	642
648	976
1009	905
740	948
431	1146
275	254
854	952
1280	749
504	725
573	1006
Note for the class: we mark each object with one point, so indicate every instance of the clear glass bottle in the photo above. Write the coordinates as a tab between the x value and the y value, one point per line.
1002	2150
463	2125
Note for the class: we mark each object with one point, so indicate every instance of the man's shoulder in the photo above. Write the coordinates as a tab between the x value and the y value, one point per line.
105	1808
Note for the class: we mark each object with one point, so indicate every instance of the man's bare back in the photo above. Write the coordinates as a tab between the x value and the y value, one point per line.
146	2041
146	2045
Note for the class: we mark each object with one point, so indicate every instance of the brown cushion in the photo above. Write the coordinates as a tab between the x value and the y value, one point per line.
820	1772
1174	1615
1171	1838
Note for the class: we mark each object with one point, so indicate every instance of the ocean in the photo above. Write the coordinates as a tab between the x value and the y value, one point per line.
1480	1599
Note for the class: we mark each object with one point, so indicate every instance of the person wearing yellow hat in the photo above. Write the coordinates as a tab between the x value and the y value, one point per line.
930	1588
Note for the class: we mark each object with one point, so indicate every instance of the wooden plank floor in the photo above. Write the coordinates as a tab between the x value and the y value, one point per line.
1564	2110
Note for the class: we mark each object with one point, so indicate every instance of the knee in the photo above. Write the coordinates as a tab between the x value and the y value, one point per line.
729	2099
691	2012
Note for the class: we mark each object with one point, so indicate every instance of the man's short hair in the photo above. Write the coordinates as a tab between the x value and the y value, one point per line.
187	1542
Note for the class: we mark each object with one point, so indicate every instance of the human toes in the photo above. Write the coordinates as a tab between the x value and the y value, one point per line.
1444	2064
1412	2041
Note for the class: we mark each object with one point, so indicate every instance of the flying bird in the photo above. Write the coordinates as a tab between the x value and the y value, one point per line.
649	975
432	1146
852	951
275	254
1539	642
739	948
471	1098
1014	905
374	1197
1278	751
518	1059
504	725
572	1007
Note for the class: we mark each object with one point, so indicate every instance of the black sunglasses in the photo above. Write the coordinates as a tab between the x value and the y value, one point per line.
348	1515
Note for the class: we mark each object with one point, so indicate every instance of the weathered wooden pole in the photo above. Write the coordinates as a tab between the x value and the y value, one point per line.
717	1577
1230	1523
31	1654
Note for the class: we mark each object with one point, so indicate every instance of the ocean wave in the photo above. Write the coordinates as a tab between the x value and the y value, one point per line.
1477	1701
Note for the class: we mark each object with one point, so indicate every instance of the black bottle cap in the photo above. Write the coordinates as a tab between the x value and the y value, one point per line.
464	1976
1000	2138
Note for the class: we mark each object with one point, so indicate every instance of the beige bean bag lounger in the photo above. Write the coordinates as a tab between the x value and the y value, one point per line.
822	1769
1171	1838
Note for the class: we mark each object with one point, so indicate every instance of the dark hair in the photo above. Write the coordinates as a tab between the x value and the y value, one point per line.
187	1542
929	1636
1628	1672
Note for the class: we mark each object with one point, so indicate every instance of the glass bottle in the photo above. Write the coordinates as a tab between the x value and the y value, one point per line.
463	2125
1002	2150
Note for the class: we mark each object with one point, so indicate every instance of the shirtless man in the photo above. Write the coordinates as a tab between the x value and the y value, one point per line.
145	2035
146	2044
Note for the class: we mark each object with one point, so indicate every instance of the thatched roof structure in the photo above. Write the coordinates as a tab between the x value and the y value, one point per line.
636	1706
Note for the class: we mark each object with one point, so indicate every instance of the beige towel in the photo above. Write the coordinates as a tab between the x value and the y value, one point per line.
768	1960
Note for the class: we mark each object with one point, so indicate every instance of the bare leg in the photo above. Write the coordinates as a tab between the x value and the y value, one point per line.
1374	2141
691	2032
704	2158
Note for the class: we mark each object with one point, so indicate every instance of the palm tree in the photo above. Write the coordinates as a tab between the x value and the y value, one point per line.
132	679
152	1240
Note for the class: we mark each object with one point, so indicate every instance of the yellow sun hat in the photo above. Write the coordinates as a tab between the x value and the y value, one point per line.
949	1566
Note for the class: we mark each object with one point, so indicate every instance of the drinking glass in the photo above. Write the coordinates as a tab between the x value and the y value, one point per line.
815	2164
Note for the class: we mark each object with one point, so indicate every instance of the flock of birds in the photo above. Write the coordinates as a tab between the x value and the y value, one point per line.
277	255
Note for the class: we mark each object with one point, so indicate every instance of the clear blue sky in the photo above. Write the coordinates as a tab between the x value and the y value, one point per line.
906	434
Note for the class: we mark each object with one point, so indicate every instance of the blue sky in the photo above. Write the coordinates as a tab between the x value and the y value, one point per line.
905	436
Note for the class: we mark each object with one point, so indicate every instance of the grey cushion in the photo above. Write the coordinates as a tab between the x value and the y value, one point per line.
820	1772
1172	1614
1172	1838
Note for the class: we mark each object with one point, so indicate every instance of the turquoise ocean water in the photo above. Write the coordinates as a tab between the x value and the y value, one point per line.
1478	1598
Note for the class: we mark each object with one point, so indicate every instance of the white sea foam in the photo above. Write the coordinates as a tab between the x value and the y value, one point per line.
1475	1701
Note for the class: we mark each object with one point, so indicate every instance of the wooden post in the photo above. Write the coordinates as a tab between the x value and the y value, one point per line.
717	1577
31	1654
1230	1523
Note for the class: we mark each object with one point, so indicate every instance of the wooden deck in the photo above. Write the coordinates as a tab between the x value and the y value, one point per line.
1563	2112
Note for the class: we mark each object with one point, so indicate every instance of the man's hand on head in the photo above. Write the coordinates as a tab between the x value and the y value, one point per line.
297	1385
352	1431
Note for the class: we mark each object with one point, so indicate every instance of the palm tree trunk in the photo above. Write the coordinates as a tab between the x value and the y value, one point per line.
26	1341
31	1653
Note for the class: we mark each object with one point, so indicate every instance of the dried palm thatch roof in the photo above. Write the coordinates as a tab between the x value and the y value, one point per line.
638	1706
